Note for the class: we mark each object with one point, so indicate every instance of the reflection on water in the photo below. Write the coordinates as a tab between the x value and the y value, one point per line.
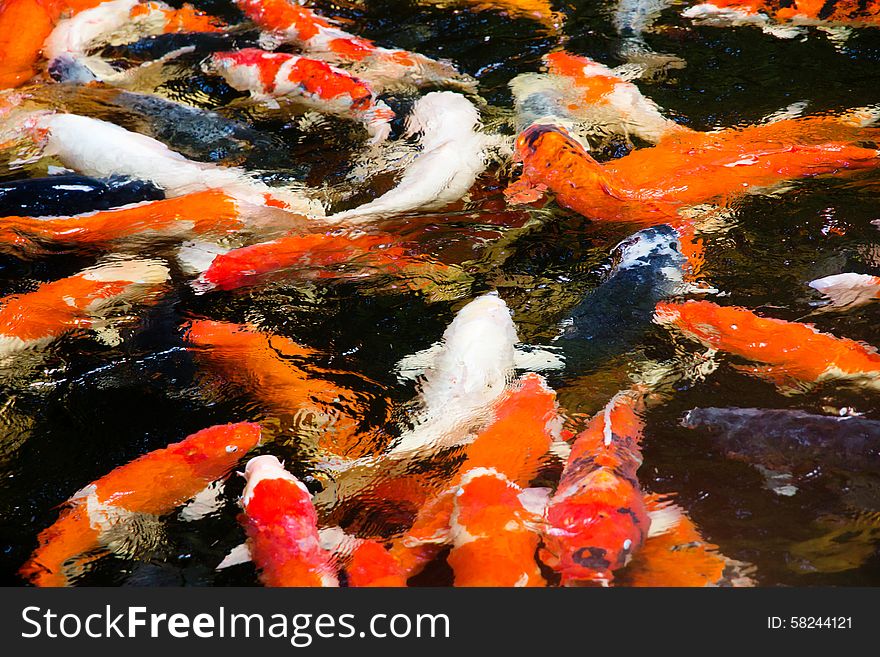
311	348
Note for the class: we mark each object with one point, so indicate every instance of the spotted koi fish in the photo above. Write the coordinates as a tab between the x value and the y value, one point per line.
154	484
790	351
34	319
315	35
315	83
596	519
654	185
281	526
272	368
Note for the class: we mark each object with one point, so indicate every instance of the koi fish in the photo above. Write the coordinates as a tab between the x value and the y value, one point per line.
153	484
596	519
34	319
452	155
493	542
540	11
71	192
790	350
676	554
272	369
315	83
295	255
24	26
198	214
785	439
371	565
381	67
613	317
112	150
782	19
653	185
526	423
848	290
281	526
127	20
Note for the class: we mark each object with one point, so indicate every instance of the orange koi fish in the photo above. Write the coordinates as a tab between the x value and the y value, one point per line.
652	185
315	35
848	290
122	20
154	484
790	350
781	18
317	84
513	445
537	10
34	319
371	565
597	518
24	26
491	530
199	214
676	554
287	256
282	528
271	367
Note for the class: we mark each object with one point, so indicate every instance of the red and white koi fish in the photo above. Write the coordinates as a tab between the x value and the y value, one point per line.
275	370
282	528
120	21
591	98
153	484
98	148
784	18
315	83
597	518
526	423
654	185
314	255
34	319
676	554
200	214
848	290
492	533
790	351
382	67
453	153
24	26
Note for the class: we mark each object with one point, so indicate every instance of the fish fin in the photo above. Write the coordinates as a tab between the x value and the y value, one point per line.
777	481
782	31
776	375
793	111
560	449
535	359
524	191
664	519
336	540
535	500
106	334
837	34
205	502
411	367
238	555
196	257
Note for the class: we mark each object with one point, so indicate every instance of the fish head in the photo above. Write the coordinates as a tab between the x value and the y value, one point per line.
657	247
271	492
442	115
594	531
214	451
248	68
544	148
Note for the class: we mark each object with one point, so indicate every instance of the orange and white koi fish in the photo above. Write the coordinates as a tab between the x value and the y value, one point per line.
676	554
597	519
34	319
382	67
789	350
492	533
315	83
200	214
782	18
302	255
653	185
453	153
525	425
24	26
591	99
99	148
274	370
282	528
848	290
153	484
119	21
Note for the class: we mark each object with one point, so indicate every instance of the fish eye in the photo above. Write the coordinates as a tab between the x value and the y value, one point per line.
231	449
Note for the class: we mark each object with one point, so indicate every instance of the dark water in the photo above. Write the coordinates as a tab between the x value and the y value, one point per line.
88	407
